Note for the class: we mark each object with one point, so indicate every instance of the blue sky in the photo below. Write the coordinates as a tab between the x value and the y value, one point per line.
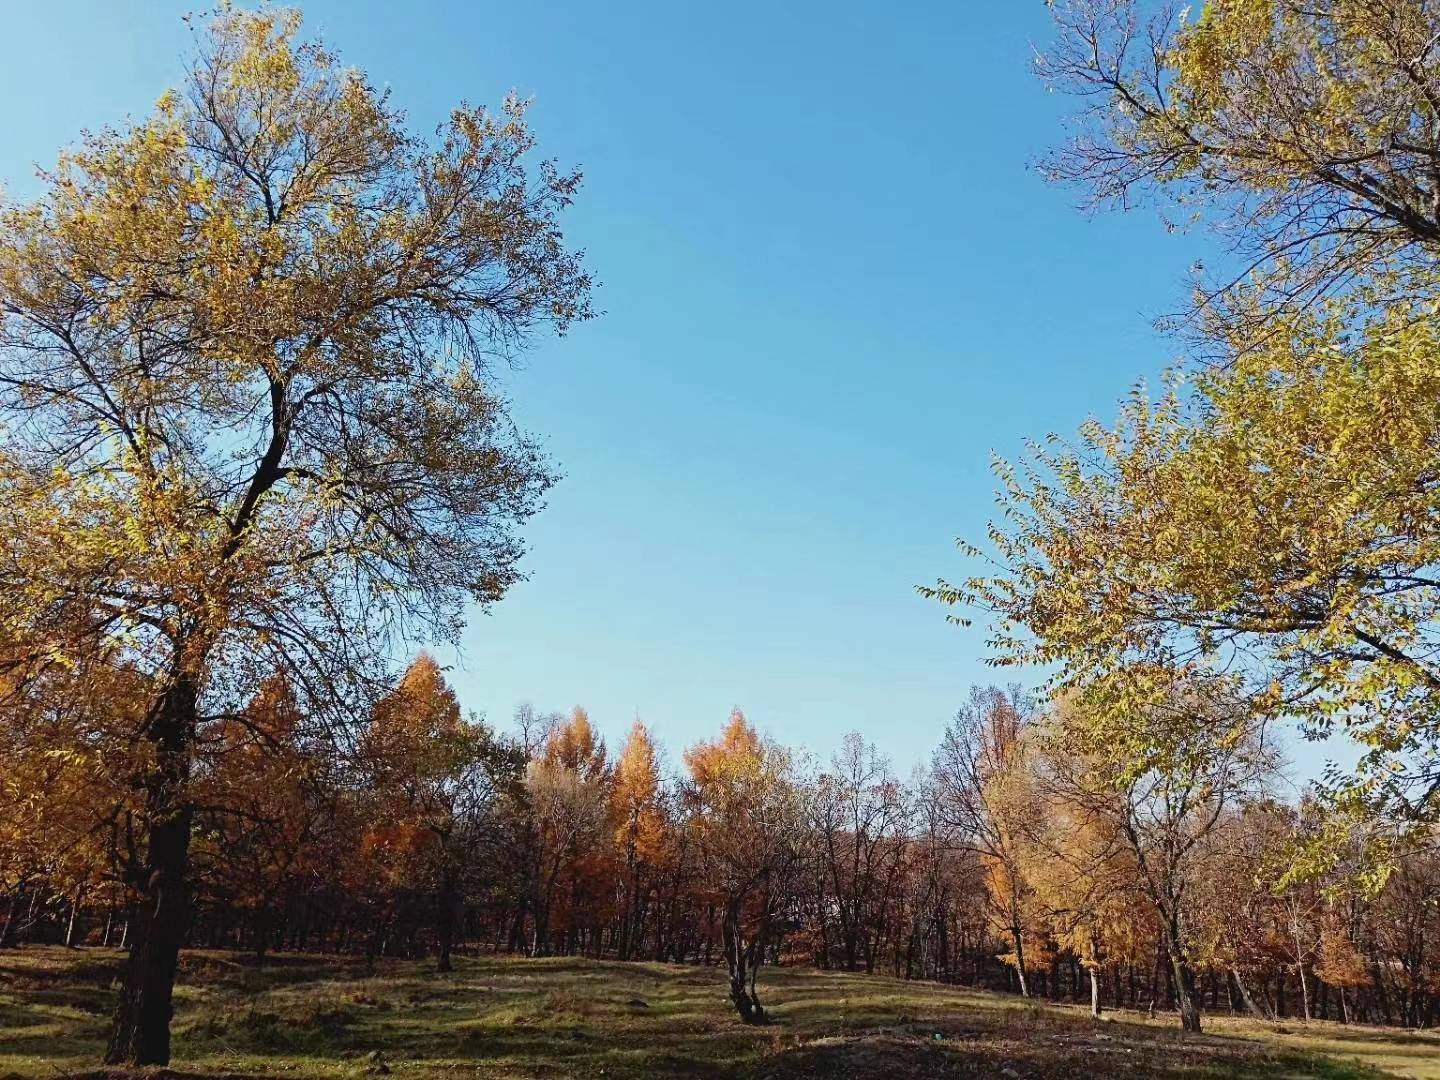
833	285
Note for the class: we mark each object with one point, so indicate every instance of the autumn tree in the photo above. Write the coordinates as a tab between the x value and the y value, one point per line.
64	797
640	829
569	803
859	813
748	818
1306	133
248	421
1277	505
1083	873
979	775
437	782
253	804
1277	512
1159	773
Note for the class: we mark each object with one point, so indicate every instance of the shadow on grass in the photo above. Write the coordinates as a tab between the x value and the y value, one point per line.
500	1017
900	1057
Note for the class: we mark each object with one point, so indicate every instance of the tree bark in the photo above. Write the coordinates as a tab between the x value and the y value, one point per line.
1245	996
7	930
741	960
1184	984
74	916
1017	938
140	1034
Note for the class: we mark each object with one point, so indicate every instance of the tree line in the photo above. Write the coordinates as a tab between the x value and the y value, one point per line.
1017	859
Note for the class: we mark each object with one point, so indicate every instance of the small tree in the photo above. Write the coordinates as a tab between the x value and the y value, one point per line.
748	818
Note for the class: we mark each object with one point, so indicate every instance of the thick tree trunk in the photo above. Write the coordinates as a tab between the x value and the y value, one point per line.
141	1031
1094	991
1184	988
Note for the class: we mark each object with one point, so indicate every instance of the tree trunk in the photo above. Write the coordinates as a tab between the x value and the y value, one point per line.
74	915
7	931
140	1034
1184	987
445	922
260	927
742	960
1094	991
1245	996
1019	942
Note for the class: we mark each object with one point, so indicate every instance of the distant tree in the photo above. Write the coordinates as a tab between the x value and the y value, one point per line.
569	803
640	829
438	782
859	813
979	776
247	420
1161	773
748	818
1084	876
254	810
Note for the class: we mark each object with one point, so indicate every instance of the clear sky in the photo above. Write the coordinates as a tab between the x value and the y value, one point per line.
833	284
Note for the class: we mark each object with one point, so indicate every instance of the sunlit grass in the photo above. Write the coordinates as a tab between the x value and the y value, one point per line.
515	1018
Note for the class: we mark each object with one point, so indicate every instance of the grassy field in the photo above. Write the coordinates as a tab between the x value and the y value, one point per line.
512	1018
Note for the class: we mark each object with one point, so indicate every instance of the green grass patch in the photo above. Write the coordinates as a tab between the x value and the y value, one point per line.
337	1019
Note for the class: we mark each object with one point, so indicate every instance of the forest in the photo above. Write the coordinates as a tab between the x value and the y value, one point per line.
256	461
999	866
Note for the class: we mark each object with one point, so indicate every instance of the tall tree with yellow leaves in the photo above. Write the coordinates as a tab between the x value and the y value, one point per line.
247	419
568	792
639	828
1158	776
437	781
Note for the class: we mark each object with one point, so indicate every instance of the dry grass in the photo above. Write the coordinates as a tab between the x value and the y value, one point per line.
309	1017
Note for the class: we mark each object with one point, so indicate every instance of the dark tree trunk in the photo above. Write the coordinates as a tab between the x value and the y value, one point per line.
742	960
7	930
141	1031
445	922
1185	997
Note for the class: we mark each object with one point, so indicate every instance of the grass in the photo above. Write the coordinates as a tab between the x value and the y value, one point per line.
312	1017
